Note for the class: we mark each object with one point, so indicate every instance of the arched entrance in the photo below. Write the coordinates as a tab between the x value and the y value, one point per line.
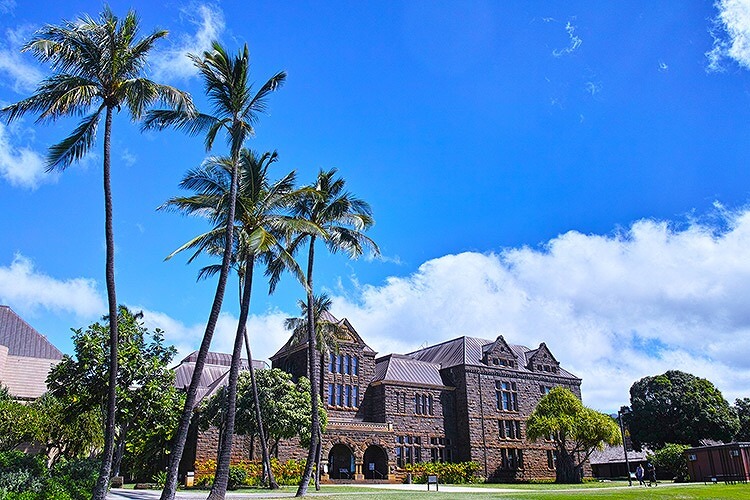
340	462
375	463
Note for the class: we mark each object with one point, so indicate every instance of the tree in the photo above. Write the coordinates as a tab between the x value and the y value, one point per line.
236	109
342	218
575	430
678	407
327	333
670	462
67	434
284	407
97	63
147	398
742	407
259	218
19	423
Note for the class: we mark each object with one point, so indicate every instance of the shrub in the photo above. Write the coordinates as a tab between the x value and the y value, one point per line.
20	472
285	473
76	477
237	477
160	478
670	462
451	473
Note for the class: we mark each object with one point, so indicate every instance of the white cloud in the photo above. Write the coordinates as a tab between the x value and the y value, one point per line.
27	289
574	41
128	158
612	308
593	88
266	332
663	67
21	166
21	74
7	6
173	62
731	34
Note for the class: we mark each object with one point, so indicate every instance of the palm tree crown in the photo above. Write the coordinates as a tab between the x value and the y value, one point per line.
97	63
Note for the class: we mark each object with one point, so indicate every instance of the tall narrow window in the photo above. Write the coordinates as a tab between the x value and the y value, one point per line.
507	396
341	363
349	395
347	360
355	366
429	400
330	395
418	404
355	396
339	395
332	363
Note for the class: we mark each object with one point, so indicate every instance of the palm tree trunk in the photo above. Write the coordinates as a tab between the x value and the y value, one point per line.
272	484
178	446
102	483
219	488
312	359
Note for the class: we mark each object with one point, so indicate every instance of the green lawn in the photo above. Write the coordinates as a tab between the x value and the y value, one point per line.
612	490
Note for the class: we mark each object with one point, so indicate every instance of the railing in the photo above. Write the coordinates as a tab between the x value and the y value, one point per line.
358	425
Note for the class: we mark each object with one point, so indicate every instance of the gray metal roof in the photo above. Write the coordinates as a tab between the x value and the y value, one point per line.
399	368
615	454
214	373
22	339
470	351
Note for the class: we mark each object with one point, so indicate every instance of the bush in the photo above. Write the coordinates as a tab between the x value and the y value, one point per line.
21	473
671	463
76	477
237	477
451	473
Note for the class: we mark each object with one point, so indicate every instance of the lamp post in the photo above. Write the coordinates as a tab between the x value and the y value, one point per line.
624	411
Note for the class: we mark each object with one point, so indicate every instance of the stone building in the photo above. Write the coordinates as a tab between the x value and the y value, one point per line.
464	399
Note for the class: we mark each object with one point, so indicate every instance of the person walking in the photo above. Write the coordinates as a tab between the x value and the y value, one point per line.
639	475
652	475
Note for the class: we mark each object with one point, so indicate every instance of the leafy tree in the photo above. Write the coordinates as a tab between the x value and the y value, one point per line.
236	109
97	63
340	220
678	407
575	430
148	401
19	423
68	434
742	407
670	462
284	408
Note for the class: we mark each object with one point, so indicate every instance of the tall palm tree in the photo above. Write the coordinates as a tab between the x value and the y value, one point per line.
235	110
327	334
342	218
97	64
259	216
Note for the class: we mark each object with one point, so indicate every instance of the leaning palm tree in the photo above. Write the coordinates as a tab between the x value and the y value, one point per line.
342	218
97	64
327	334
260	216
236	109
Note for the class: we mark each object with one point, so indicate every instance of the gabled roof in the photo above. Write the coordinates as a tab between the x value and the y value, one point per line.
22	339
615	454
470	351
399	368
292	343
214	373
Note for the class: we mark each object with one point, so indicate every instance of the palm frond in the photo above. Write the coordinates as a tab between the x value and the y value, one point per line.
75	146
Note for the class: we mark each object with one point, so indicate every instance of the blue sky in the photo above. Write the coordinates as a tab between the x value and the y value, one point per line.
566	172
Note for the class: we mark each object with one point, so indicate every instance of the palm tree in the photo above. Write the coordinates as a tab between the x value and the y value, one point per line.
342	218
259	217
236	109
327	334
97	64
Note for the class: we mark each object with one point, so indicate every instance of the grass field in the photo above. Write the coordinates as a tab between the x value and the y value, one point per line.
612	490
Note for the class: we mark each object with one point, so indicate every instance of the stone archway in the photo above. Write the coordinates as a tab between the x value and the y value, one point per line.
375	463
341	462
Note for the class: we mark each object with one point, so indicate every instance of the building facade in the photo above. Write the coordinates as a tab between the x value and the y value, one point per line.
464	399
26	357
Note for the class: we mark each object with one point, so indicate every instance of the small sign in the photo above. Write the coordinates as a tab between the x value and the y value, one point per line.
371	466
